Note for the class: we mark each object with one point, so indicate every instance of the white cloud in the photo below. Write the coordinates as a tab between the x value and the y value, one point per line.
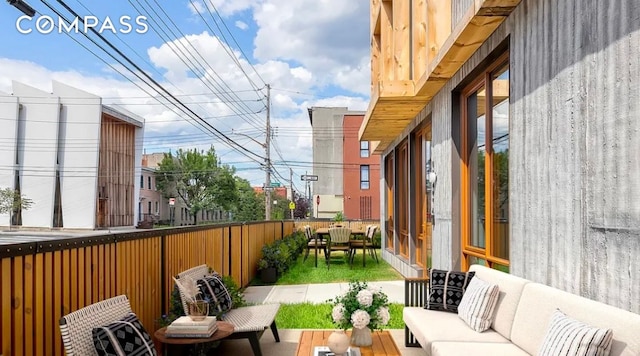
224	7
300	46
241	25
328	37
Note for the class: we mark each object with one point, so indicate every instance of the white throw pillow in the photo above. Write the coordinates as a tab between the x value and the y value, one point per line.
566	336
477	304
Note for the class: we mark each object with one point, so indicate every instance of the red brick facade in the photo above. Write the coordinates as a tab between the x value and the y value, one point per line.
359	202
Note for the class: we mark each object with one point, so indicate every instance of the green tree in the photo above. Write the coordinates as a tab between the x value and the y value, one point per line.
11	201
249	206
198	180
280	207
302	207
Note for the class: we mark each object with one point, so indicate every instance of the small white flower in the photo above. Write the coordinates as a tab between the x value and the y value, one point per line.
338	313
383	315
365	298
360	319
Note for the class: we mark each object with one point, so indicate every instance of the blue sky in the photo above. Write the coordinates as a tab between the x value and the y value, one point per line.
312	52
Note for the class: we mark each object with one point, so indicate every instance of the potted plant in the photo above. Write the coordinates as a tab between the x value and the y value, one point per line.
268	264
339	218
362	308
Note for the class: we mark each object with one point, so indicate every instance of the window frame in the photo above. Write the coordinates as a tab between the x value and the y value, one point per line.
365	168
469	251
364	152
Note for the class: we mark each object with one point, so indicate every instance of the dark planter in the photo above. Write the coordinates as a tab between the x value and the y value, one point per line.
268	275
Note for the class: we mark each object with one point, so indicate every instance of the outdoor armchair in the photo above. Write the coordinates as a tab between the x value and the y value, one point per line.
76	327
248	322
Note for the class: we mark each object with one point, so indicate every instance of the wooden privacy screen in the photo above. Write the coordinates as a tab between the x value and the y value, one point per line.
42	281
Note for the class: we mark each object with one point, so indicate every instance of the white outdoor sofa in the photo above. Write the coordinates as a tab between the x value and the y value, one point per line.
521	319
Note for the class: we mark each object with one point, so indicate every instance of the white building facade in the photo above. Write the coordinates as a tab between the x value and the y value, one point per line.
72	156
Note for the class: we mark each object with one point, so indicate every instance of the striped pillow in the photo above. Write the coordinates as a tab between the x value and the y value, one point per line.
567	336
477	304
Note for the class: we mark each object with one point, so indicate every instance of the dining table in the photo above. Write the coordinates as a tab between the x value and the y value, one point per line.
323	232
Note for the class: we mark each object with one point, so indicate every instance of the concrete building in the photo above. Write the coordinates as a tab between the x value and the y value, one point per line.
340	167
526	113
72	156
326	133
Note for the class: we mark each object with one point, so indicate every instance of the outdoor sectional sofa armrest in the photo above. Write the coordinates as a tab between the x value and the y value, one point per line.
416	292
415	295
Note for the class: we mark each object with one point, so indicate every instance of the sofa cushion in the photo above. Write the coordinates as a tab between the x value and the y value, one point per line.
508	297
566	336
478	303
539	302
431	326
124	337
449	348
446	289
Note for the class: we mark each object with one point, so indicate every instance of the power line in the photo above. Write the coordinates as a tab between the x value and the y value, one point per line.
183	107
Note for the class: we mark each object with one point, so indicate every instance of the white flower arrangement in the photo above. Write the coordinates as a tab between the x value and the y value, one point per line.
361	307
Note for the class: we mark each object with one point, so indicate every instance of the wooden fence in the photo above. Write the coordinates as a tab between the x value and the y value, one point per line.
41	281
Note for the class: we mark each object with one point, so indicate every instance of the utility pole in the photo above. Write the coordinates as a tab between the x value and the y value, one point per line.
293	198
267	184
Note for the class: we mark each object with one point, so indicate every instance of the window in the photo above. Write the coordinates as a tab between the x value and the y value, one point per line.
390	189
149	208
402	198
141	181
157	208
485	168
364	177
149	182
364	149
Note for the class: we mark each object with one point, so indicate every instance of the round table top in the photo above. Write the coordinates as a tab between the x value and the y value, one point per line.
224	329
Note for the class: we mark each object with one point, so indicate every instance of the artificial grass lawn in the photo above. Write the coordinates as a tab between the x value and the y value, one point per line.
318	316
339	270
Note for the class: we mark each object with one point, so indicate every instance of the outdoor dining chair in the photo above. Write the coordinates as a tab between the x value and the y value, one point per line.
338	241
314	242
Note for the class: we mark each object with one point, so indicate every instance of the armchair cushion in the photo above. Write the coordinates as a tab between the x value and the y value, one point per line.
213	289
124	337
447	289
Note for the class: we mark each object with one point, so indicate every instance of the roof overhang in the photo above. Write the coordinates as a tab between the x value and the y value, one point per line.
394	104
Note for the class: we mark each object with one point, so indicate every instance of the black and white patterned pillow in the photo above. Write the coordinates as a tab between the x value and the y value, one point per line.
446	289
124	337
567	336
212	289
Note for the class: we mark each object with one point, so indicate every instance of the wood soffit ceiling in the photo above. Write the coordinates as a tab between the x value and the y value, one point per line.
395	103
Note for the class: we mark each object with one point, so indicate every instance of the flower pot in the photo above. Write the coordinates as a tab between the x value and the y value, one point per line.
198	310
338	342
361	337
268	275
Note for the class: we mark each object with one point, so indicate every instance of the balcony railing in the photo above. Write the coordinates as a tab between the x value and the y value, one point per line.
41	281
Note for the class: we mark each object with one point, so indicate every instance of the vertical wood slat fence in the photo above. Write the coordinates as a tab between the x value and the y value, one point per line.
41	281
317	224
